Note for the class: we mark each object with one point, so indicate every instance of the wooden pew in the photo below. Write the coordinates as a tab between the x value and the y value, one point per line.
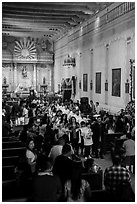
11	144
95	180
18	151
109	139
11	160
8	172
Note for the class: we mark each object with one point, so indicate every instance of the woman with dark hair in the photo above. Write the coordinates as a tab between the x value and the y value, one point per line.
31	155
64	120
74	133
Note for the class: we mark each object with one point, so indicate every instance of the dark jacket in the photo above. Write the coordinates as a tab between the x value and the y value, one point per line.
98	131
46	188
63	167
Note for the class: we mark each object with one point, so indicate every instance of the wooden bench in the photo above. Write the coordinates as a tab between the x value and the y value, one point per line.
11	160
8	172
11	144
18	151
109	139
95	180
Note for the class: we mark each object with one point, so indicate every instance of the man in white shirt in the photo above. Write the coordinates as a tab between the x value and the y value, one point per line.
78	116
129	146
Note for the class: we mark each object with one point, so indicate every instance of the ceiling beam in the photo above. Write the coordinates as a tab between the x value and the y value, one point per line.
45	6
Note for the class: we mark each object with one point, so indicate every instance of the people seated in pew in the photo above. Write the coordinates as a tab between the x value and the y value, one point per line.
48	135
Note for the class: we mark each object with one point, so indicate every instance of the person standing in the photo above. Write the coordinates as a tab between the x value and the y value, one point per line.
87	133
63	164
98	137
74	134
129	147
97	108
92	107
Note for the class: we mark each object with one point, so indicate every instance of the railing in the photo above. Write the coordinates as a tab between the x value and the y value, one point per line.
119	11
115	13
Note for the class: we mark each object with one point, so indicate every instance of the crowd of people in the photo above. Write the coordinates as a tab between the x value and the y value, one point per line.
60	139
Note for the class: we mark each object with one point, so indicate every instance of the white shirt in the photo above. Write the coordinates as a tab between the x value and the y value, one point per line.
70	114
55	151
78	118
87	135
129	146
30	155
25	112
97	109
66	111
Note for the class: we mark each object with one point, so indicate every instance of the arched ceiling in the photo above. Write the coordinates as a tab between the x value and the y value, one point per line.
45	19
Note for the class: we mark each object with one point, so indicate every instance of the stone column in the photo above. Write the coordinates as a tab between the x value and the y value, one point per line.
91	76
34	76
106	75
127	74
15	81
79	76
52	78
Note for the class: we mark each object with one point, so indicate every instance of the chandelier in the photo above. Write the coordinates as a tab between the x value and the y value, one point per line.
69	62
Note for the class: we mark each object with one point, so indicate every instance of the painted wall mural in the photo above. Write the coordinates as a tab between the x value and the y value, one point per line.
116	82
98	82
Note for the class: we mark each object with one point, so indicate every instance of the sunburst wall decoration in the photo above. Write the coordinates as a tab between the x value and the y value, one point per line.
25	49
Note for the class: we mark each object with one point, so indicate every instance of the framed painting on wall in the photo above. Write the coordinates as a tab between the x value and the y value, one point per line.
133	81
116	82
98	82
85	82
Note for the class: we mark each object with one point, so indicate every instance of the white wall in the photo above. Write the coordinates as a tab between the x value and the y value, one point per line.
79	44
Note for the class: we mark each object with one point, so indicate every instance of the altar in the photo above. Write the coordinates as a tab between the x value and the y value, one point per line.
27	66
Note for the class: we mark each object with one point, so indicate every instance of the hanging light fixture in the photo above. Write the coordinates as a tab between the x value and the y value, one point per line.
69	62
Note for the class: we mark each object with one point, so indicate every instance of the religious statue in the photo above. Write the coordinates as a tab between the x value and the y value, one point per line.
24	72
4	80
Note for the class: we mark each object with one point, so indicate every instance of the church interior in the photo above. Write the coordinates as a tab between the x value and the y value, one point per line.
75	59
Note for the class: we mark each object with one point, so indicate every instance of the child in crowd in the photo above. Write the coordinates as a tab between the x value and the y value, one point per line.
86	138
